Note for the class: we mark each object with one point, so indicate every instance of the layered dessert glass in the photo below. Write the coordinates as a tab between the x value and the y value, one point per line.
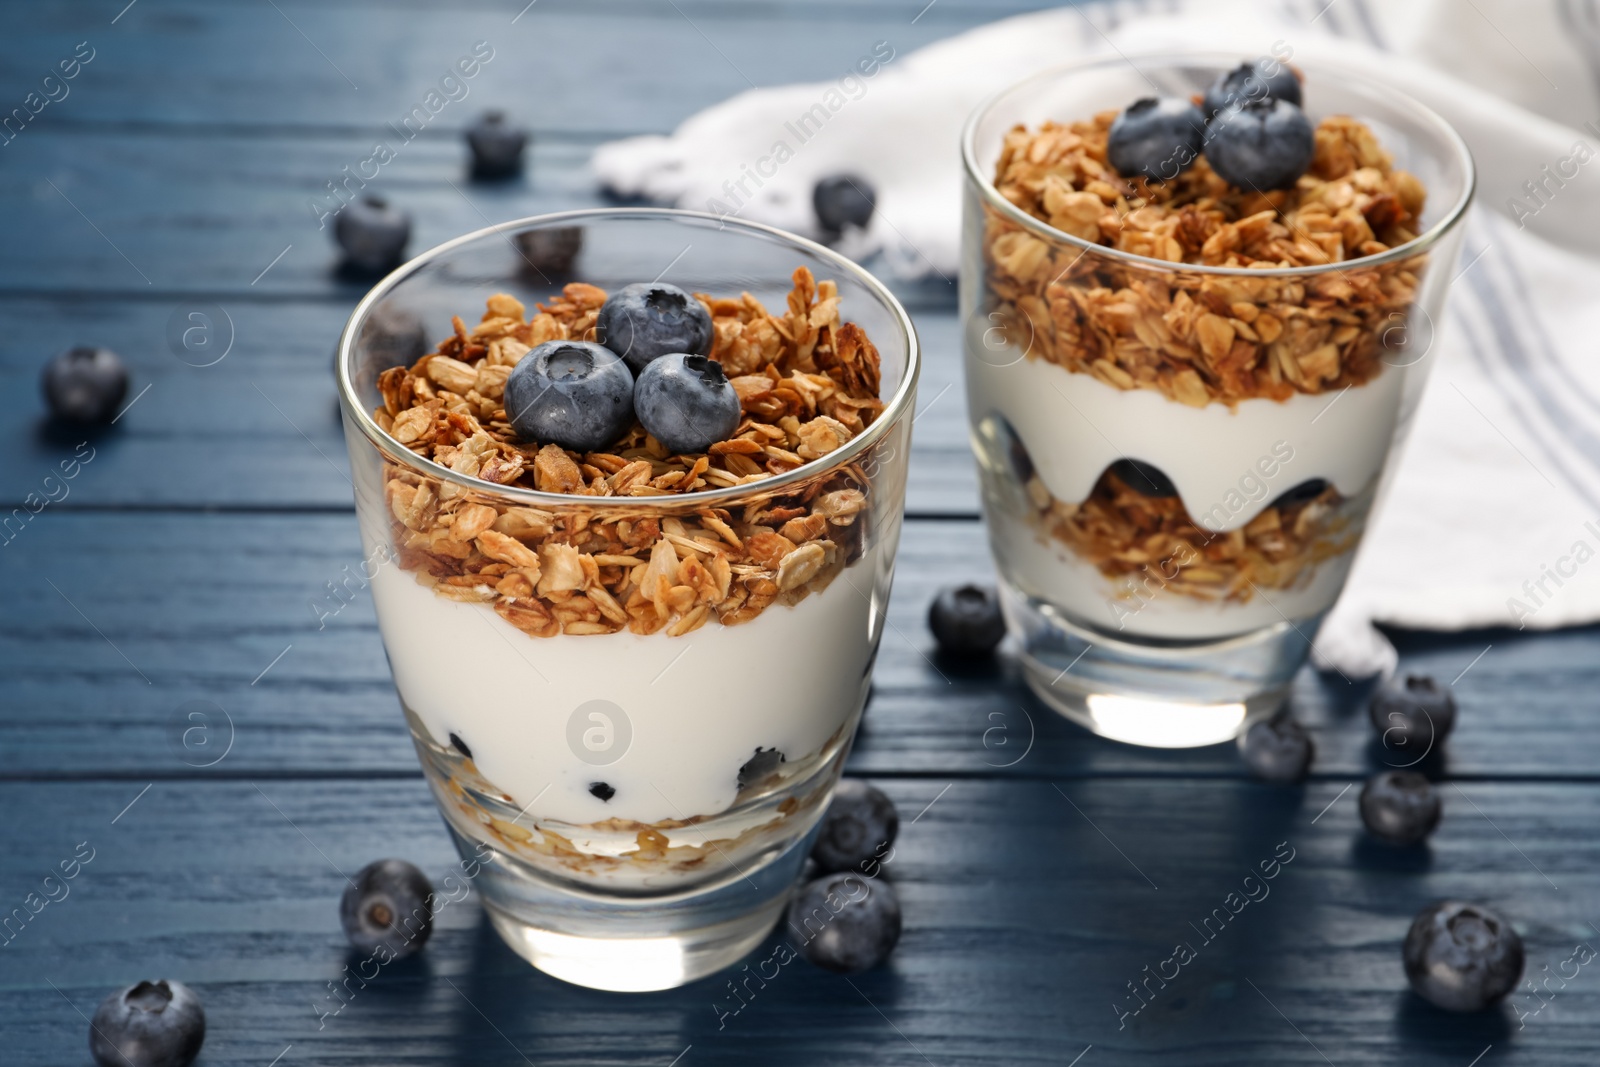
632	675
1184	394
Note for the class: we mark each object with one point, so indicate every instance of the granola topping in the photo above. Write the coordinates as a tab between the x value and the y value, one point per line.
807	384
1201	338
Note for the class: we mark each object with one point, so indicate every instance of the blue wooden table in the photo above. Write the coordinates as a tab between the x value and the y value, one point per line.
172	585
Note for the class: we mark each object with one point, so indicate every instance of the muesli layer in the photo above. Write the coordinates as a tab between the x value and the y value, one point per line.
807	384
1204	338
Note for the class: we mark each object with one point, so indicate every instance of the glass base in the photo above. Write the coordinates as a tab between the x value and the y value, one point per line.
635	945
1152	692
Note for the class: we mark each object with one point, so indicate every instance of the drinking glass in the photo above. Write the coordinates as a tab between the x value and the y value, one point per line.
634	802
1167	553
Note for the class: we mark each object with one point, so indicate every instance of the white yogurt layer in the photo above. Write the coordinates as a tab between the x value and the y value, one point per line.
1227	465
697	706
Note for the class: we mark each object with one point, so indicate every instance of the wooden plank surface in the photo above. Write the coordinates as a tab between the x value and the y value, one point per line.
1040	869
1029	907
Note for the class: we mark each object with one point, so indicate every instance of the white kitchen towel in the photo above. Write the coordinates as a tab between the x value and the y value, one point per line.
1493	518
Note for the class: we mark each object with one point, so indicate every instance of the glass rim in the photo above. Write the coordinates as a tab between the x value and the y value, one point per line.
894	408
1419	111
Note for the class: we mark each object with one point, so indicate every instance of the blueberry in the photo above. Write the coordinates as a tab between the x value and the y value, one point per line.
1412	714
1277	749
1462	957
686	402
1400	807
601	790
1303	493
858	828
843	200
966	620
845	922
1143	478
644	321
1265	79
759	766
496	146
576	394
551	249
393	337
1262	145
460	745
85	384
372	234
388	906
1158	137
152	1024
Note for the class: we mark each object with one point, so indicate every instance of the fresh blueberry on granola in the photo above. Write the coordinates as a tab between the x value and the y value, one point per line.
496	146
686	402
601	790
1462	957
372	233
1158	137
577	394
151	1024
842	200
860	825
388	906
84	384
1400	807
1412	714
647	320
1264	79
1260	145
966	620
845	922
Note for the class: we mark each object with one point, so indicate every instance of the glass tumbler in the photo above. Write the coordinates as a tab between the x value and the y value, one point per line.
1178	460
632	708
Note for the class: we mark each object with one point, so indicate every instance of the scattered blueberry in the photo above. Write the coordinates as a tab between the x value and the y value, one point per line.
496	146
601	790
85	384
1303	493
1413	714
643	321
1158	137
576	394
1277	749
1252	81
460	745
966	620
859	826
1143	478
1400	807
845	923
389	906
1262	145
759	766
551	249
1462	957
686	402
152	1024
372	234
393	337
843	200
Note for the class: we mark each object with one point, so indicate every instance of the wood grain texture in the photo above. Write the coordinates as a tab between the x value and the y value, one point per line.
1040	869
616	66
201	605
1029	907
